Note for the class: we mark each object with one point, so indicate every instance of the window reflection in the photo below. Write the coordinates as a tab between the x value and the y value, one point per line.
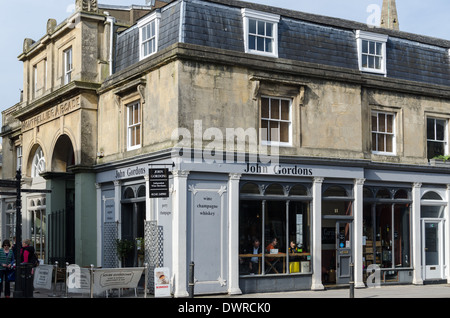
386	230
274	235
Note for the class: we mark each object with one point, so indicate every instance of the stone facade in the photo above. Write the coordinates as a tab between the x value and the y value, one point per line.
353	133
53	132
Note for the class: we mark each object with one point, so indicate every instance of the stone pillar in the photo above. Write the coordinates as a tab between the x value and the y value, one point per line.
316	283
416	235
117	198
233	234
358	233
179	233
150	214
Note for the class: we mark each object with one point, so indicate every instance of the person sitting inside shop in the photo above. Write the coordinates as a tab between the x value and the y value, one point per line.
254	261
294	259
293	247
273	263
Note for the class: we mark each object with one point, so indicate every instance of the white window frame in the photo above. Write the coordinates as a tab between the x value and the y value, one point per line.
153	18
19	157
38	163
445	141
261	118
393	134
372	37
10	219
132	128
68	65
274	19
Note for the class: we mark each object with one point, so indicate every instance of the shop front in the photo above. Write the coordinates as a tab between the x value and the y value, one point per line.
433	228
296	230
259	230
121	215
387	232
275	234
305	232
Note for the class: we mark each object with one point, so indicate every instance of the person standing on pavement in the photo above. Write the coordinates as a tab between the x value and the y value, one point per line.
6	263
27	252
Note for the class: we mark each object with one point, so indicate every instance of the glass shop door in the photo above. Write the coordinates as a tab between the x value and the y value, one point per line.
344	236
433	248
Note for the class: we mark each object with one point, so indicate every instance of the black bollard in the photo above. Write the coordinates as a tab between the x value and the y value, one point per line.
352	281
191	280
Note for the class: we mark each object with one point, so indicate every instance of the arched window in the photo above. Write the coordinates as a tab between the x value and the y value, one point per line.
367	193
383	194
401	194
141	192
250	188
335	191
274	189
431	195
336	201
128	193
299	190
38	164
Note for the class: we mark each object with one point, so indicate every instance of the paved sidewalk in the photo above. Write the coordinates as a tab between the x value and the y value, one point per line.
390	291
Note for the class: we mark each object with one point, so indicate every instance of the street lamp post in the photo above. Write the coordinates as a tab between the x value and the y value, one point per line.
18	289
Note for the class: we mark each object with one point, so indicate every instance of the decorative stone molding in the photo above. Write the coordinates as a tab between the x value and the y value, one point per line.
235	176
318	179
141	91
27	43
86	5
51	26
417	185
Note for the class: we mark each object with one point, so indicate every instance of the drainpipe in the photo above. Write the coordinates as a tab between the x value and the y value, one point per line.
111	20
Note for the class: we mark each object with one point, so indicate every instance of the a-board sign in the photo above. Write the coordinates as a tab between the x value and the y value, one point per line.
162	282
159	183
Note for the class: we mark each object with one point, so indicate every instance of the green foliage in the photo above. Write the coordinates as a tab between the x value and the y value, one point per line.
441	157
140	244
124	248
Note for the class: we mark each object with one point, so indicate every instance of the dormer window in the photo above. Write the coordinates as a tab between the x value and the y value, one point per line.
148	35
371	52
260	32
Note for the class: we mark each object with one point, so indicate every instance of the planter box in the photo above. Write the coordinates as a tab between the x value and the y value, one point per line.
440	163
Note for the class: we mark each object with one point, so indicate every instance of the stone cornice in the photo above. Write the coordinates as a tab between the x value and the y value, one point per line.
264	66
47	100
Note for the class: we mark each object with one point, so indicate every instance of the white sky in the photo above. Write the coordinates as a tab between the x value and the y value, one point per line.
28	19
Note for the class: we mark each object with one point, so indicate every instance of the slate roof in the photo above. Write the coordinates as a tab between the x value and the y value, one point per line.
302	37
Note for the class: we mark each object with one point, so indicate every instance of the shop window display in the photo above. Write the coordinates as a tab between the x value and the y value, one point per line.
386	230
274	234
337	217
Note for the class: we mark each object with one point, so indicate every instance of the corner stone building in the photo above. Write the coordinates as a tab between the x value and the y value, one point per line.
51	134
273	124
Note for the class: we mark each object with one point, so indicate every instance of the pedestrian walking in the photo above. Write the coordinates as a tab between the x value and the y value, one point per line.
6	266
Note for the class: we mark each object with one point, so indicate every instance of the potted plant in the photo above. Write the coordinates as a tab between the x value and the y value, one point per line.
124	248
440	161
140	246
